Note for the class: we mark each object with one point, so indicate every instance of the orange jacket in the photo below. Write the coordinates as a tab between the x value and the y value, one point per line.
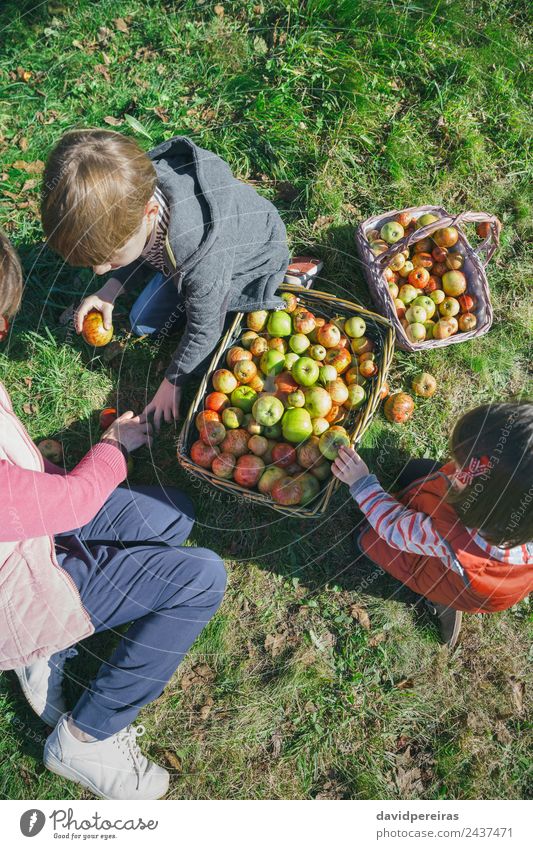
478	585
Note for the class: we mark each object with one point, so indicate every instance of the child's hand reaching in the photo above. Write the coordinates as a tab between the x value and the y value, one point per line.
165	404
348	466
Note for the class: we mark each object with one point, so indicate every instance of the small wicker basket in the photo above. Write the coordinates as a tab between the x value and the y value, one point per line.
379	329
476	260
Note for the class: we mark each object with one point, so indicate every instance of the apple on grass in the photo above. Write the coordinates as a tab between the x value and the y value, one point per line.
223	466
279	323
398	408
305	371
224	381
243	397
272	362
267	410
331	441
232	417
424	384
296	424
52	450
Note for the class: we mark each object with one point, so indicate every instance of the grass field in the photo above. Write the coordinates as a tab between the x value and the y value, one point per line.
334	109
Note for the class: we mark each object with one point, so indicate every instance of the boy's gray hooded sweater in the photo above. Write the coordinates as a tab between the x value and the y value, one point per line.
228	247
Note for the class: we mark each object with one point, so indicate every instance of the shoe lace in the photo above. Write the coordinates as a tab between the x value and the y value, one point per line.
126	740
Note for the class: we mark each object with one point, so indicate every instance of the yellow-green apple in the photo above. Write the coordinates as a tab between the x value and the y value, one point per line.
258	346
232	417
317	402
332	440
363	345
305	371
310	487
235	442
269	478
223	466
327	373
340	358
276	343
291	301
323	471
355	326
267	410
425	219
437	296
303	320
394	290
356	396
426	303
279	323
287	492
257	383
309	453
248	470
397	262
317	352
247	338
257	320
415	332
337	390
454	261
224	381
290	359
424	384
235	354
406	269
467	321
296	424
320	425
429	325
245	371
415	313
449	307
454	283
243	397
52	449
298	343
202	454
407	293
272	362
329	335
296	398
212	433
284	455
392	232
379	247
446	237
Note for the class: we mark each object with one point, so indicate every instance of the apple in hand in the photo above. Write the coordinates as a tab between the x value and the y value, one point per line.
332	440
305	371
93	330
107	417
268	410
424	384
317	402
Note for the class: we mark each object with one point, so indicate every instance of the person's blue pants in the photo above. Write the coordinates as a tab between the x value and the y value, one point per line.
130	566
159	308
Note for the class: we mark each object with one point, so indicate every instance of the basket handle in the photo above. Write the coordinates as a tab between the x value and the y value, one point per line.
488	246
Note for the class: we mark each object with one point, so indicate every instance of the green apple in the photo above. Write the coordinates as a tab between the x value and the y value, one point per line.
317	352
356	396
407	293
430	326
268	410
272	431
426	303
296	398
296	425
290	359
298	343
310	487
391	232
437	296
305	371
272	362
416	332
416	314
279	323
355	327
318	402
320	426
332	440
327	373
426	218
243	397
232	417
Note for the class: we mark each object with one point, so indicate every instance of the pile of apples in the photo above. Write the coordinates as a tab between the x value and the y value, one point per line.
273	420
426	282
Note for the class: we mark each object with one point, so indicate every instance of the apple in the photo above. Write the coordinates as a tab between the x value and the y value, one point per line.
406	269
432	284
296	398
331	441
243	397
257	383
389	274
467	302
379	247
290	359
224	381
467	321
397	262
313	334
268	410
269	478
283	455
356	396
368	368
205	416
202	454
454	283
340	358
407	293
405	218
437	296
329	335
93	330
305	371
446	237
107	417
272	362
416	332
276	343
223	466
216	401
400	308
309	453
439	254
320	425
424	384
285	382
422	260
372	235
248	470
449	307
355	326
310	487
303	320
245	371
425	219
483	229
317	352
279	323
454	261
235	442
287	491
429	325
235	354
337	390
394	290
317	402
259	346
353	375
272	431
323	471
443	329
254	427
392	232
212	433
398	408
51	449
291	301
416	313
327	373
426	303
257	320
423	246
247	338
384	391
296	424
419	278
439	268
232	417
298	343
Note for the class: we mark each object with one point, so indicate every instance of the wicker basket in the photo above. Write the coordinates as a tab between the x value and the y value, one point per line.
379	329
476	260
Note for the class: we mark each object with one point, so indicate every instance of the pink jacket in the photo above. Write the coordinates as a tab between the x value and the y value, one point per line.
40	608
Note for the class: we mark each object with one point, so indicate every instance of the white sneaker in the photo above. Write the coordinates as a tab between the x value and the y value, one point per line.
114	768
42	684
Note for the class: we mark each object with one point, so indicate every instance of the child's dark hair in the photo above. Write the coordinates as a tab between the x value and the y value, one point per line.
499	503
11	280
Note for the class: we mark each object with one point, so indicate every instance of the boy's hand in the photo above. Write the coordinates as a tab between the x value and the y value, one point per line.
130	430
348	466
165	404
103	301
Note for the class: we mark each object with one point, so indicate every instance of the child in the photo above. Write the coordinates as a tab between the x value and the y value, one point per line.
459	535
217	245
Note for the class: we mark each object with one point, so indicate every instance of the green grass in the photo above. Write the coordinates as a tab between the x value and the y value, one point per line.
335	110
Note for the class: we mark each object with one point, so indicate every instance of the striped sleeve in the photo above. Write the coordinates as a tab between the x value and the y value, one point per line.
397	525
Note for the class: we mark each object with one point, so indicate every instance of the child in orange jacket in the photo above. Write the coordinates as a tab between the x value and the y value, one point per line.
460	534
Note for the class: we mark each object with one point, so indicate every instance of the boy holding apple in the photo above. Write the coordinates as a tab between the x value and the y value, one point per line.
212	242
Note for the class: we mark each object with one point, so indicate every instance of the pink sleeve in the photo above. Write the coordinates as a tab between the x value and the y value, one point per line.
34	504
51	468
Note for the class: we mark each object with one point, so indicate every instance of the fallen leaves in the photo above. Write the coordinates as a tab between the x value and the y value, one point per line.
199	674
172	760
361	616
112	121
121	25
518	690
219	10
101	69
35	167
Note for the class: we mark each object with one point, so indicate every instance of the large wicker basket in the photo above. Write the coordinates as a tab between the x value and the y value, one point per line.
476	260
379	329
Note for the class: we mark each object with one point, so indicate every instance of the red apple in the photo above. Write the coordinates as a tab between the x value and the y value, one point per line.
467	302
398	408
283	455
439	268
405	219
340	358
310	487
235	354
223	466
446	237
206	416
439	254
384	391
51	449
235	442
419	278
287	491
424	384
258	445
224	381
329	335
107	417
269	478
216	401
368	368
309	453
248	470
483	229
285	382
202	454
432	284
212	433
303	320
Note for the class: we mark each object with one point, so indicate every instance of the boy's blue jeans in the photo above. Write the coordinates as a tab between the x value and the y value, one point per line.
159	307
130	566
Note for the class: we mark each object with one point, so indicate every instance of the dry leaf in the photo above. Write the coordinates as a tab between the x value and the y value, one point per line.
28	381
30	184
405	684
275	643
172	760
276	741
101	69
24	75
518	689
36	167
205	710
23	144
29	408
219	10
322	221
121	25
162	113
112	121
361	616
104	34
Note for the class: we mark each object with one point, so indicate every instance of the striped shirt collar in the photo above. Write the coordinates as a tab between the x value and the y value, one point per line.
154	250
